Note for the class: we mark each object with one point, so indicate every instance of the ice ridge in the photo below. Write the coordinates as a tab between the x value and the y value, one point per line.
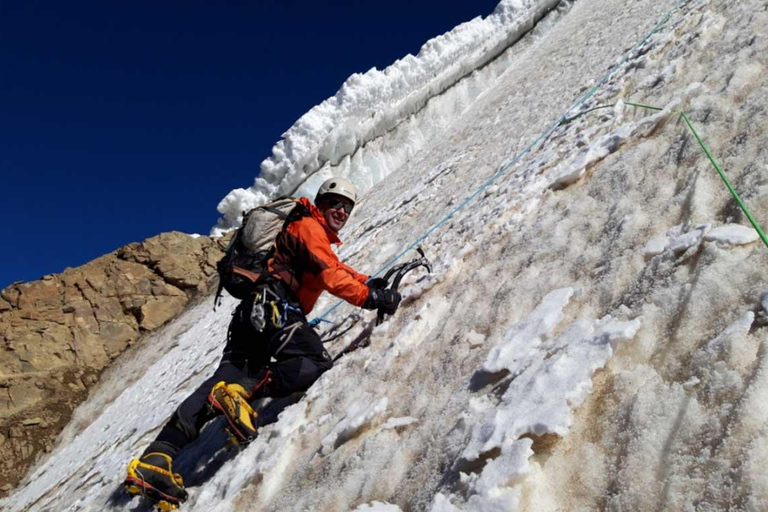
332	138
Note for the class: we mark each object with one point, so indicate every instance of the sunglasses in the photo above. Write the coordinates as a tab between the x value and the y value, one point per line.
336	204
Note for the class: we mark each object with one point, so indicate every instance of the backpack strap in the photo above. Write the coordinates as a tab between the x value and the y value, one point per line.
298	212
217	297
252	276
277	212
220	288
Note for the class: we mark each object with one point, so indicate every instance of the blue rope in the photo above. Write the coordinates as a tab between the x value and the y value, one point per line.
287	308
516	159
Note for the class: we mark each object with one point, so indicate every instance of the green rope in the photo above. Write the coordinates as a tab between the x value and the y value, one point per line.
567	120
725	180
639	105
706	150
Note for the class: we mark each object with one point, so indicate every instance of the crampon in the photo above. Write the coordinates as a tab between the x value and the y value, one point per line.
136	484
241	418
235	441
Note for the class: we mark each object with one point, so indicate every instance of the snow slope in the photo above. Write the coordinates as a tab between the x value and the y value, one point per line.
592	336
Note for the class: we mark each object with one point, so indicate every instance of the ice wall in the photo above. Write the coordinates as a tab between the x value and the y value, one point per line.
592	336
379	119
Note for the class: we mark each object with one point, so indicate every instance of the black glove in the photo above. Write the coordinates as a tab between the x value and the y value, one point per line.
377	282
386	300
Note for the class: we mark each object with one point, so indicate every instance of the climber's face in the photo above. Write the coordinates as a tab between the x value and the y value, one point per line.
335	210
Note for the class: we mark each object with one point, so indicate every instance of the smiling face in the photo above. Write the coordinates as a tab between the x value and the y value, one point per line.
335	210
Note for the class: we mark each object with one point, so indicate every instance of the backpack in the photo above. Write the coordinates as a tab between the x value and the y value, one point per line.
243	266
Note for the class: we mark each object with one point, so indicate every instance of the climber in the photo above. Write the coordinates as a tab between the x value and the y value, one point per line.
302	267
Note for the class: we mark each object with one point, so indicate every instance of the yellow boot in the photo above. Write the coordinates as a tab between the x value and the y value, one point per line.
152	477
231	400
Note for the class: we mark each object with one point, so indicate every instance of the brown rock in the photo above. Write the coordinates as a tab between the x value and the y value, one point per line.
156	313
70	280
88	347
6	404
181	260
11	295
117	336
92	296
47	351
48	315
133	304
131	278
39	295
160	289
83	312
77	385
22	396
27	347
100	285
67	328
108	309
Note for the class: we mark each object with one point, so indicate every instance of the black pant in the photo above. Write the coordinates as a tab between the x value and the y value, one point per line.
300	360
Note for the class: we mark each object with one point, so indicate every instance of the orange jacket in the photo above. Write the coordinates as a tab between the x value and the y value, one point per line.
305	262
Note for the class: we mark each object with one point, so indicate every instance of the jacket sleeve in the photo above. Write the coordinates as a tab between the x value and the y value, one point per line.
337	278
357	275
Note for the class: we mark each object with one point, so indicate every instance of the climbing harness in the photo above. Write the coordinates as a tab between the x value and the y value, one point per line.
278	309
291	330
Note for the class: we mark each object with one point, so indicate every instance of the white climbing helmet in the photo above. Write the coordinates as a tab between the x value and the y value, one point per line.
338	186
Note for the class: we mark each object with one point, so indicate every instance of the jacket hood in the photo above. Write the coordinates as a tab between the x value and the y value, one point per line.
318	216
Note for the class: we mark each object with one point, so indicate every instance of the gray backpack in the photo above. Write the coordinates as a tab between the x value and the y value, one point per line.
243	267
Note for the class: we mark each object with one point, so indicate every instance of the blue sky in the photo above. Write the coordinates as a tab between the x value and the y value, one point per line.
122	120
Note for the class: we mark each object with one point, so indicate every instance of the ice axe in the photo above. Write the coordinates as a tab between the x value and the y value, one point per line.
399	271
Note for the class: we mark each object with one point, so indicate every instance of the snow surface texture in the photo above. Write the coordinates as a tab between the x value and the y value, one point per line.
593	334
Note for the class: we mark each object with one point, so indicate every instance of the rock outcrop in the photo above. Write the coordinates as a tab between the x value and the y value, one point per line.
57	334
